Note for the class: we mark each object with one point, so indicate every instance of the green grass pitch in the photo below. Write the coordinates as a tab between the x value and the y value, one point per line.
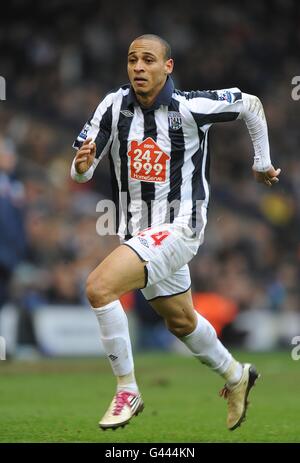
62	401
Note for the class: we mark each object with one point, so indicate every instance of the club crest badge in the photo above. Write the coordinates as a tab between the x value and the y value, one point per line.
175	121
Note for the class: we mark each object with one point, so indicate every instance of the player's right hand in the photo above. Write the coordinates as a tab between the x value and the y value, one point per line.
85	156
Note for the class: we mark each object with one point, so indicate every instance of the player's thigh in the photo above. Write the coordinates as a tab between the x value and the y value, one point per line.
177	309
121	271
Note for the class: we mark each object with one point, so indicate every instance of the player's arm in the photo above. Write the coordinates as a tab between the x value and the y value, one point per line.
208	107
253	114
84	164
93	142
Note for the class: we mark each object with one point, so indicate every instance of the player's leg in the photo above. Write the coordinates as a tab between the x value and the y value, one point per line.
201	339
177	311
142	261
196	333
122	271
168	292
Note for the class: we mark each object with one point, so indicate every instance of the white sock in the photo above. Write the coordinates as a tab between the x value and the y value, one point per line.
127	383
116	342
234	373
204	345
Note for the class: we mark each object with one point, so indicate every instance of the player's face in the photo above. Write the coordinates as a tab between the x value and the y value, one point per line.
147	67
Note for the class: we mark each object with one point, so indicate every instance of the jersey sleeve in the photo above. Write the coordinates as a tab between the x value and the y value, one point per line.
98	128
210	106
230	104
254	117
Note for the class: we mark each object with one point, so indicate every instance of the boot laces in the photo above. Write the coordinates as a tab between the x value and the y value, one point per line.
224	392
120	401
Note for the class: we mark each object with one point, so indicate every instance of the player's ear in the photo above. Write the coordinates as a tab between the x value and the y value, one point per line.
169	66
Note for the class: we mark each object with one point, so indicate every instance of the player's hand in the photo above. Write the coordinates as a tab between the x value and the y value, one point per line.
269	177
85	156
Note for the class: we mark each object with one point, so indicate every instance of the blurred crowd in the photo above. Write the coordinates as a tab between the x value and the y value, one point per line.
60	62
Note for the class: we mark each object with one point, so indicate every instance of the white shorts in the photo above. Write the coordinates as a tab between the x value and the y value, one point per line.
167	249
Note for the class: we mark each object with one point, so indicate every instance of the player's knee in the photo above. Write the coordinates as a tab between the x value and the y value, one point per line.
98	291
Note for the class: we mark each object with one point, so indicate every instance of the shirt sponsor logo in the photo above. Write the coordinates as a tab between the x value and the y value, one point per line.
175	121
147	161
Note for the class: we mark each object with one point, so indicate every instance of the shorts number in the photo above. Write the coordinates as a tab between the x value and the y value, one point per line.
157	237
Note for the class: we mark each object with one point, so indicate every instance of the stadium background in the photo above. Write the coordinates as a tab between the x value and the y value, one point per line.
59	58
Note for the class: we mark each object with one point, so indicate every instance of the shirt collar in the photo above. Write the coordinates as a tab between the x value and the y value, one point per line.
163	98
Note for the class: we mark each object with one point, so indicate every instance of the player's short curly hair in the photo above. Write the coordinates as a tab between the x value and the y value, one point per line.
163	42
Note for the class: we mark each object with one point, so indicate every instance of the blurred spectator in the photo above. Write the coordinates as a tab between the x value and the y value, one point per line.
12	232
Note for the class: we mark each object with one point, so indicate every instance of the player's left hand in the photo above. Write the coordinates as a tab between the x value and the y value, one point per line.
269	178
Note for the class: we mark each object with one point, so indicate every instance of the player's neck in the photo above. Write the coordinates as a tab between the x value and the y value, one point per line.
146	101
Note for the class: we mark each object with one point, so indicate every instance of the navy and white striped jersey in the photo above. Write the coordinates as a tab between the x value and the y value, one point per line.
159	156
